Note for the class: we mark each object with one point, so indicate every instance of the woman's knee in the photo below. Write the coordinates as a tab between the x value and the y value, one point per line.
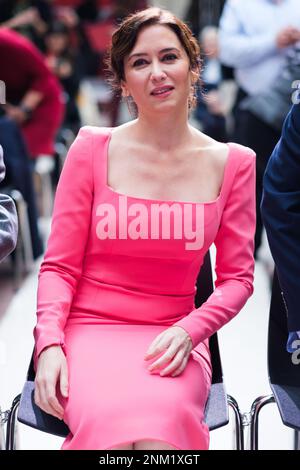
152	444
128	446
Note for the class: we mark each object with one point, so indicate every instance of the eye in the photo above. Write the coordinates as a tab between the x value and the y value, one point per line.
170	57
138	62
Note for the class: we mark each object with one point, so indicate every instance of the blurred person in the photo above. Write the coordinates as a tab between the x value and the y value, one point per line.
64	63
202	13
121	9
263	114
34	96
259	56
272	104
281	215
8	219
210	110
257	53
19	176
28	17
111	298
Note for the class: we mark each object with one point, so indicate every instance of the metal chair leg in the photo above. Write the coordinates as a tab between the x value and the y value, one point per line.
296	440
256	407
11	424
3	419
239	428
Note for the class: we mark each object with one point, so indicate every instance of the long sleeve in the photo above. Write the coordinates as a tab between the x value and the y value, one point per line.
62	264
234	260
237	49
8	219
281	212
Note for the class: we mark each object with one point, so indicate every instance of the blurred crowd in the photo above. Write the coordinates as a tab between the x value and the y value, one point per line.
48	48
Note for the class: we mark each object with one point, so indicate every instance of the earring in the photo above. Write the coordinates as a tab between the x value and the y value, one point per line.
131	106
192	96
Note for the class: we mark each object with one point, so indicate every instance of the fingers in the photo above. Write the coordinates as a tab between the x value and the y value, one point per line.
155	347
165	358
53	402
64	382
178	356
164	339
178	345
176	363
45	397
181	367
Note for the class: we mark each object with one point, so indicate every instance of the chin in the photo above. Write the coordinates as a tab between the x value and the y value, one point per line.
163	107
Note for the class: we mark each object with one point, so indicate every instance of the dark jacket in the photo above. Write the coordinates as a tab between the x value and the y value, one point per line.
281	213
8	219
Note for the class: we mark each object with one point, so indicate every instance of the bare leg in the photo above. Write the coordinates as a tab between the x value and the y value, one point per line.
151	444
122	447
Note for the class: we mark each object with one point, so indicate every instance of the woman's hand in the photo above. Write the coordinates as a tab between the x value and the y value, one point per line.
51	368
178	345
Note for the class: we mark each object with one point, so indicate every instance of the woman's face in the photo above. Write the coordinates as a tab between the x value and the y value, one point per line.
158	61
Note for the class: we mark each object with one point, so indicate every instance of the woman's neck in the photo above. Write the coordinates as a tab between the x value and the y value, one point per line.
162	133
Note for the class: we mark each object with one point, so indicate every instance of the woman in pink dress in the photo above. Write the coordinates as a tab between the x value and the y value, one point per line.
121	351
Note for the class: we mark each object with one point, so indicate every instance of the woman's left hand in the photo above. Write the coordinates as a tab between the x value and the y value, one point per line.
178	345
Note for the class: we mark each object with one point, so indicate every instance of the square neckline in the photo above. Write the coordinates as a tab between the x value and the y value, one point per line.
150	200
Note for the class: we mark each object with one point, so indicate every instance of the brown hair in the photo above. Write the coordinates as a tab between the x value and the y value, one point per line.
125	37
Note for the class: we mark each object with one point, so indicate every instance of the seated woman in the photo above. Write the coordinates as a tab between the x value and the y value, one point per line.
137	207
8	219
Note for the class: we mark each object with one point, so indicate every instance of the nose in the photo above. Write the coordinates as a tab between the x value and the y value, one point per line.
157	72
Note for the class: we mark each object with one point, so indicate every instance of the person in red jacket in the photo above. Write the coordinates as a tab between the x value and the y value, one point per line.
33	94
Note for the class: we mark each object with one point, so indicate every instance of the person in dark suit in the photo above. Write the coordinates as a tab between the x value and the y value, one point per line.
8	219
280	210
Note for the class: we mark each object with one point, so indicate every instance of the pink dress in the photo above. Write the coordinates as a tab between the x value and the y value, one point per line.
108	285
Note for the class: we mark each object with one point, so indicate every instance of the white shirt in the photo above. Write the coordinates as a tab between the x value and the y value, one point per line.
248	30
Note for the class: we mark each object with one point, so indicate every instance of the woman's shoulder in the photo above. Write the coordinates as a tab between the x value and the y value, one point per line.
91	131
220	151
242	151
217	152
243	159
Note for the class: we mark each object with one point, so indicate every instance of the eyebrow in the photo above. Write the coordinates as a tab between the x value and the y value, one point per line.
139	54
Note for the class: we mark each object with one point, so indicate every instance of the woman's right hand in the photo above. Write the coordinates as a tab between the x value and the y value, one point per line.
51	368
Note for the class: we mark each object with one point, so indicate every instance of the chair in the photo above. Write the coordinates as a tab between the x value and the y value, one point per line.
3	419
283	372
216	411
22	256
